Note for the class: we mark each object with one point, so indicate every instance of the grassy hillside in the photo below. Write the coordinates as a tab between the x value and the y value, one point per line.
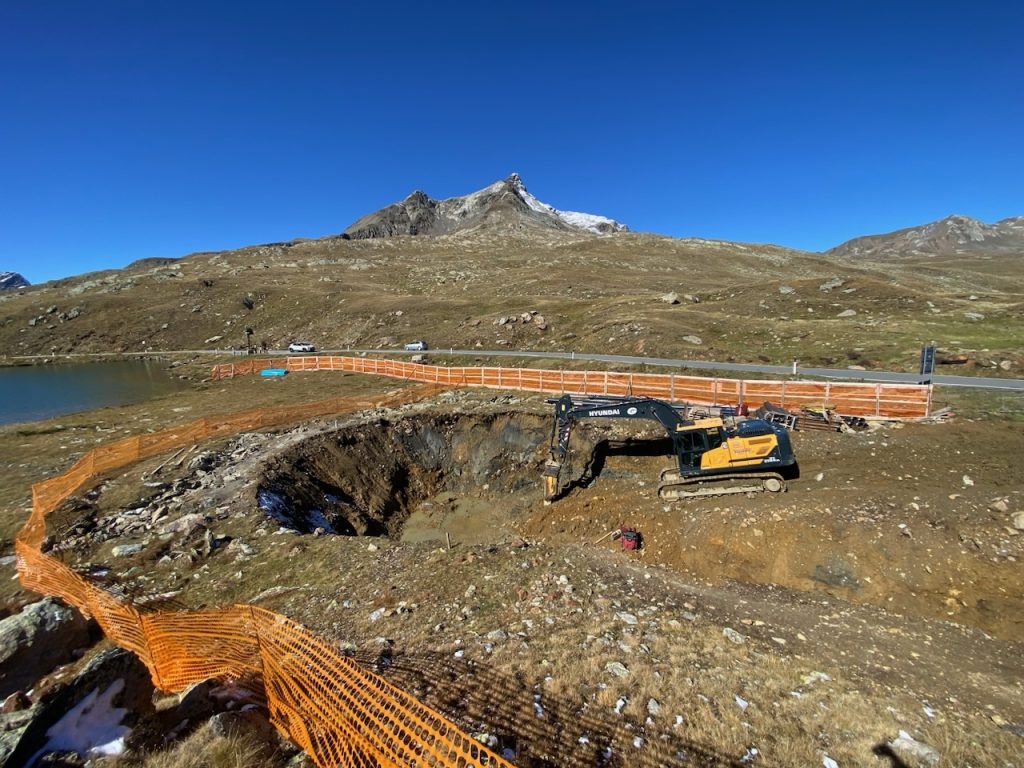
596	294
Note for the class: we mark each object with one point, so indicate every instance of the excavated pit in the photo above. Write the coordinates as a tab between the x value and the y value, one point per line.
870	521
424	478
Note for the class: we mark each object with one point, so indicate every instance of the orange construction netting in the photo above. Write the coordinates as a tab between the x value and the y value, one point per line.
899	401
339	713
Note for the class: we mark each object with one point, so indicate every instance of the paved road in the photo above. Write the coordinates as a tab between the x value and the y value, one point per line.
840	374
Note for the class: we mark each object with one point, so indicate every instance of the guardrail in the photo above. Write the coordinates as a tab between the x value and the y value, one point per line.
338	712
898	401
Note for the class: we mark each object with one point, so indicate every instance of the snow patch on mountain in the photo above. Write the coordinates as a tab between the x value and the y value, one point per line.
590	222
12	280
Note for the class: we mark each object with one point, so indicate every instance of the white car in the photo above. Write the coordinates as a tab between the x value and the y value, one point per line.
416	346
301	346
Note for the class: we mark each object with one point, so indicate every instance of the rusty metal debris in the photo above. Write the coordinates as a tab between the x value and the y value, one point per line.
826	419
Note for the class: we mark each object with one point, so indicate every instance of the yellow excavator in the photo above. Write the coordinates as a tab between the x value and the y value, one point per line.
712	459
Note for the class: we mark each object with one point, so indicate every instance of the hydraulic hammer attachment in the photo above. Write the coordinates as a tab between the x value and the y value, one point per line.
551	472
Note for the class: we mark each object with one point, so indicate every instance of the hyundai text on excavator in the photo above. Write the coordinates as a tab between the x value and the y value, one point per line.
712	459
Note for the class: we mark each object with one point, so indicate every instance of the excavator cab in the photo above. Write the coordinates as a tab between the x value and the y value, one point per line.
691	444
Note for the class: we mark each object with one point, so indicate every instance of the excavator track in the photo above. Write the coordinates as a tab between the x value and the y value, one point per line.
674	487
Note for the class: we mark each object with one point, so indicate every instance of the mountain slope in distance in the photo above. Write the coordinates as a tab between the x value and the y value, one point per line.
952	235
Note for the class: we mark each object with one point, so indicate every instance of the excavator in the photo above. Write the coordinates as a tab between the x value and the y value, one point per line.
712	459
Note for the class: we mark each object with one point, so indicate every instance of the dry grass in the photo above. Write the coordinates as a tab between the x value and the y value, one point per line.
982	403
203	749
597	294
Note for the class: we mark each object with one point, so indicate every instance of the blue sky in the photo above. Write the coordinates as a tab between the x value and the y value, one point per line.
134	129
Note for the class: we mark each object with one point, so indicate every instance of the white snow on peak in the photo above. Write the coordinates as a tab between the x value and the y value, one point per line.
585	221
588	221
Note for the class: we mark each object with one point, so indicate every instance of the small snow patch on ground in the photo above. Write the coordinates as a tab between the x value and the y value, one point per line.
273	505
92	728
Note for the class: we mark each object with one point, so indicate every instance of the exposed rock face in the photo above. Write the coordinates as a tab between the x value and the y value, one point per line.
113	674
951	235
11	280
36	640
503	202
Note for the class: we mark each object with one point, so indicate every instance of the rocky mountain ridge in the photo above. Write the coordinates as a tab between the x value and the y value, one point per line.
11	280
502	204
949	236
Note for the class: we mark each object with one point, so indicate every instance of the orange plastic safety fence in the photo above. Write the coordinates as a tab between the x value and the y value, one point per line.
341	714
900	401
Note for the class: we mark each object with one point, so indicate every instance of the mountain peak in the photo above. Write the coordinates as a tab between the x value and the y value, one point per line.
502	204
11	280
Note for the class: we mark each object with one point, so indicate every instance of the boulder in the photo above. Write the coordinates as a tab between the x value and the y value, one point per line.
115	675
36	640
617	668
905	744
671	298
185	525
248	722
733	636
196	701
124	550
847	313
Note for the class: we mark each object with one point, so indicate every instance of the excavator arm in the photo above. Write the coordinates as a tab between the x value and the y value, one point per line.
569	411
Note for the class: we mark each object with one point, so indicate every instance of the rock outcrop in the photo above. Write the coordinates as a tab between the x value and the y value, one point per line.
36	640
107	697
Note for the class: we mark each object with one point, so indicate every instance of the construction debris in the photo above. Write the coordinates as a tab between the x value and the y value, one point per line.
825	419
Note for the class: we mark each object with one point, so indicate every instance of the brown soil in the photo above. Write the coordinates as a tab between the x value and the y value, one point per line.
881	518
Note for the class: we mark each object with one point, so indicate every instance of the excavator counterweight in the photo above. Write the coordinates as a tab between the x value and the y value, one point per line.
711	458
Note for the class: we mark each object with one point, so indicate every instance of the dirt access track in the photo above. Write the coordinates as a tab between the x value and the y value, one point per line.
891	566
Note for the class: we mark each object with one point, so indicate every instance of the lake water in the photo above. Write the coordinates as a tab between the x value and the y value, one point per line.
37	392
